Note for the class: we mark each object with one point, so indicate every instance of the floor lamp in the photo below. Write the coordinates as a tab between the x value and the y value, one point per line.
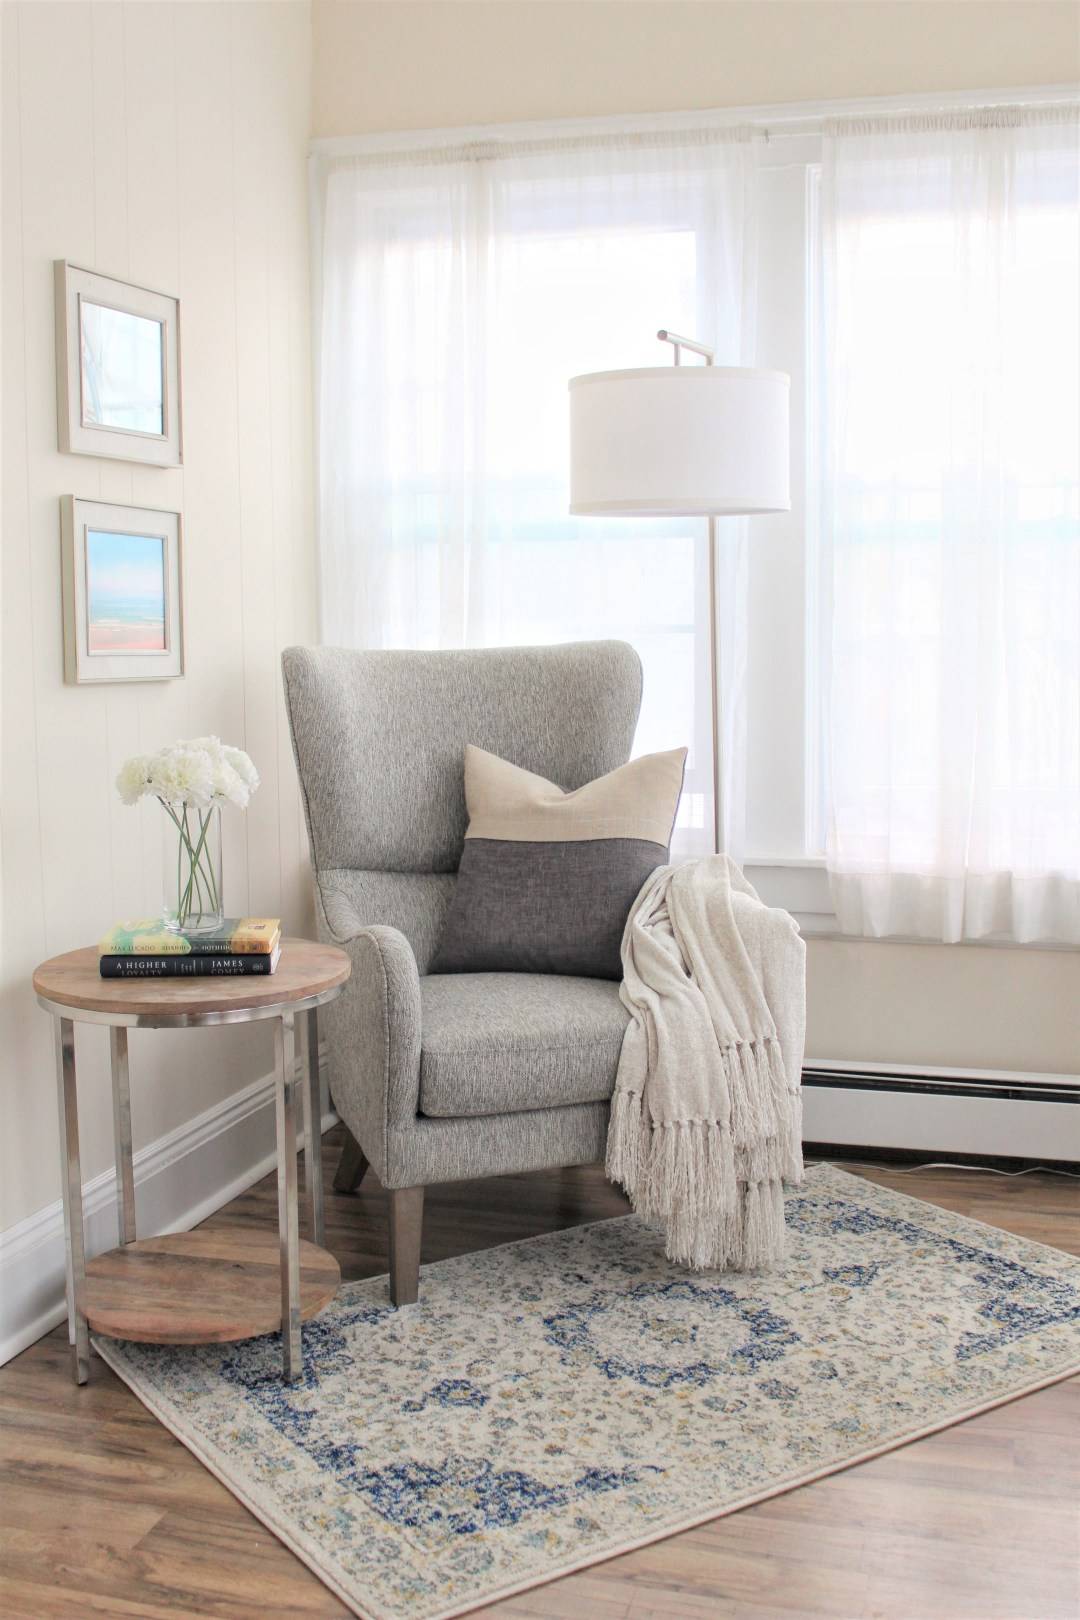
682	440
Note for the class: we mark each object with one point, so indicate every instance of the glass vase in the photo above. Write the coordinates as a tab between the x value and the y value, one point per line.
192	870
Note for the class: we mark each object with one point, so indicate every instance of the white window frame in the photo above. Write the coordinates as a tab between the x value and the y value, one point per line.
785	858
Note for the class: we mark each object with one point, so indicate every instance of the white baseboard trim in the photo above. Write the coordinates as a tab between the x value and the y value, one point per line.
990	1112
1006	1129
179	1180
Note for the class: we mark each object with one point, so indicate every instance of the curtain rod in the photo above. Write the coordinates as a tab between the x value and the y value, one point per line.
781	120
490	151
958	118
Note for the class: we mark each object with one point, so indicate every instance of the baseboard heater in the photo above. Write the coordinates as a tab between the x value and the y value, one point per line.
992	1113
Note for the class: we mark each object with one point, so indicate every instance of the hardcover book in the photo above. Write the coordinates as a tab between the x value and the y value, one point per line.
237	936
141	965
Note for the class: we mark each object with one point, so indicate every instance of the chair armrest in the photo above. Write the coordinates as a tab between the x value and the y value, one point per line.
374	1033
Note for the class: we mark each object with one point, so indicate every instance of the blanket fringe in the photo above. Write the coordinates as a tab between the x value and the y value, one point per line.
716	1185
625	1158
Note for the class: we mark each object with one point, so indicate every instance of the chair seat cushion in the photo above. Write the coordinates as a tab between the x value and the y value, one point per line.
504	1043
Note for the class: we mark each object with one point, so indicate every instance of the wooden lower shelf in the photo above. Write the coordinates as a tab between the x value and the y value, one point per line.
200	1287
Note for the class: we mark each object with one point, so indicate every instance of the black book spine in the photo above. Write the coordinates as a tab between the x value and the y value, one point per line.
143	966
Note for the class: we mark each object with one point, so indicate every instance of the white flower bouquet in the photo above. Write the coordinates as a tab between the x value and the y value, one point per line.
191	781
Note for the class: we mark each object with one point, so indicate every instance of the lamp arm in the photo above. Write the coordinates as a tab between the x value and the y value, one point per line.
709	355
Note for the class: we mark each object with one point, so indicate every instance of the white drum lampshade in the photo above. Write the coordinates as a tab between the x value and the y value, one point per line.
679	439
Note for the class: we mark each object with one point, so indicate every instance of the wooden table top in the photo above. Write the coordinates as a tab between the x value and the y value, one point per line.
306	969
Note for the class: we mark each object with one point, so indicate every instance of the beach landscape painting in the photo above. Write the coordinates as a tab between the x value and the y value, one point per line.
126	592
123	592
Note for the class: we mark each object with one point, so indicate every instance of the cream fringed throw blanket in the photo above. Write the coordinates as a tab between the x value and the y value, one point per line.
706	1120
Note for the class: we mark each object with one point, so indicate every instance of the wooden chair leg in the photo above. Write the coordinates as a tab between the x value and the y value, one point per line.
406	1224
351	1165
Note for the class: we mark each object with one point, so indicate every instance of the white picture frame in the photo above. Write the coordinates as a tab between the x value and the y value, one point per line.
122	582
117	369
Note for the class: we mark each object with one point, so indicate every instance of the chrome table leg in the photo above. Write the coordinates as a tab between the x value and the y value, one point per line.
313	1181
288	1213
125	1174
71	1178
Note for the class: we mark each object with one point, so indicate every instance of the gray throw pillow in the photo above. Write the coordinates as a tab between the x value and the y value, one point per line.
547	878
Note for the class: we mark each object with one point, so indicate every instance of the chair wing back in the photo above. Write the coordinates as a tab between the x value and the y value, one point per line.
379	738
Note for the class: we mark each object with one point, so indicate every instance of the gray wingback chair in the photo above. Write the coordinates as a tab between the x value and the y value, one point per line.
449	1076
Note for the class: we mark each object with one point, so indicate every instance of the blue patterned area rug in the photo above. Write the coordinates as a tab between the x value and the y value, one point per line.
554	1402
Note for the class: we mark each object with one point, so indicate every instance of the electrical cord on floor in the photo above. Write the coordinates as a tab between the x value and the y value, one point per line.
949	1164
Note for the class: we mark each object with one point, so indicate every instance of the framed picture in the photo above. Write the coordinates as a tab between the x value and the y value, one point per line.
117	368
123	610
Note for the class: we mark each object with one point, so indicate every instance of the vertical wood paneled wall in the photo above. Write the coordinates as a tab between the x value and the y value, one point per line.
164	144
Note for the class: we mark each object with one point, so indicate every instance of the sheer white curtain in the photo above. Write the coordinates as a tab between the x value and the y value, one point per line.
460	289
950	530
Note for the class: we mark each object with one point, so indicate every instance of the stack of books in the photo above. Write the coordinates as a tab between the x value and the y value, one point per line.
147	950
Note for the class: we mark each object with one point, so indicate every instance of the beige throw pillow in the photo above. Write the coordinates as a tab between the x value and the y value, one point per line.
548	877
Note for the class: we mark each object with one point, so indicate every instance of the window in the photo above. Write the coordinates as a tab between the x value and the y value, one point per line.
458	299
949	553
463	286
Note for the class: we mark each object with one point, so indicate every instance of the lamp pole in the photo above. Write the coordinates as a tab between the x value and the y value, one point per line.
709	356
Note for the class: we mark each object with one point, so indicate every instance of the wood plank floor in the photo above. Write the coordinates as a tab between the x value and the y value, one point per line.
103	1513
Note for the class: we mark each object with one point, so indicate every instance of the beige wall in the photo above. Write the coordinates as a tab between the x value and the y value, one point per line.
414	64
957	1006
401	64
165	144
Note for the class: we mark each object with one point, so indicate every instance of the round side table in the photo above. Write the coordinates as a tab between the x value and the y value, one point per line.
196	1287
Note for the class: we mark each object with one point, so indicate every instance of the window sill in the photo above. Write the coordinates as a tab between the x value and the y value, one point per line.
800	884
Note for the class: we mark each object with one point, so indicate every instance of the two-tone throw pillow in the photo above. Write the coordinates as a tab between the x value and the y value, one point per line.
547	878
